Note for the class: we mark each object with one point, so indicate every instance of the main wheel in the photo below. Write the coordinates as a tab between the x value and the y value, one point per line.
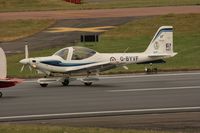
88	83
43	85
1	94
65	82
148	70
155	70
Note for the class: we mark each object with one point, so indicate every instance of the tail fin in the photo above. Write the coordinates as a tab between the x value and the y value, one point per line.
162	43
3	64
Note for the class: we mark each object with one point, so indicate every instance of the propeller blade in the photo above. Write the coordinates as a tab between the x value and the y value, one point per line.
30	68
26	51
22	68
125	67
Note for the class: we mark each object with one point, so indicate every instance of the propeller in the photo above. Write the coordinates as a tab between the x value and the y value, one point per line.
25	61
125	67
22	69
26	52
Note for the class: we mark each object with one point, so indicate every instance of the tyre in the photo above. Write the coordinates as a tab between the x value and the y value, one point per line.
43	85
65	82
155	70
148	70
88	83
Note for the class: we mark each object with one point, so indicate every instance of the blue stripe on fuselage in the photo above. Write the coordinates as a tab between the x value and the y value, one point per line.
163	30
61	64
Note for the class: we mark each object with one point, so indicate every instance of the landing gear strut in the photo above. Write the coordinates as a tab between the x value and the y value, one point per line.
86	82
1	94
65	82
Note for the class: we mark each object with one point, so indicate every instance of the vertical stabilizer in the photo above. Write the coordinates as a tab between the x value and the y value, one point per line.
162	43
3	64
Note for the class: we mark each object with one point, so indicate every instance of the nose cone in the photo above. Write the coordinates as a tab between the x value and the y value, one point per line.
24	61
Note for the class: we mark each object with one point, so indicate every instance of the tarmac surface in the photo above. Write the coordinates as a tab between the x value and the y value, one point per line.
111	97
101	13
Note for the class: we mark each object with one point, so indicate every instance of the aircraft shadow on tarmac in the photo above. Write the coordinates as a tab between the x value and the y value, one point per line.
8	97
81	86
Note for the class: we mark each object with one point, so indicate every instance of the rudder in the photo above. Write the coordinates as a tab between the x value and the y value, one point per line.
162	43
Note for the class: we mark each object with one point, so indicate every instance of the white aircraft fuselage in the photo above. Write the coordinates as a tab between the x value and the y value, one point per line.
56	64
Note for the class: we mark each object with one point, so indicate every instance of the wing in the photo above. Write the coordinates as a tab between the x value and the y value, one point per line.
101	66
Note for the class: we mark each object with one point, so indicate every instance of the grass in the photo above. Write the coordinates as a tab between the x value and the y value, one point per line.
32	5
12	30
136	36
13	128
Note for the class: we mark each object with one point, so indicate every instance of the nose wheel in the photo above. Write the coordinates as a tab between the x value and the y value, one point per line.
1	94
88	83
43	85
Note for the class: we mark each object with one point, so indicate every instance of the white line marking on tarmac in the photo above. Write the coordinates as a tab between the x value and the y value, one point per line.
156	89
140	76
133	76
30	81
102	112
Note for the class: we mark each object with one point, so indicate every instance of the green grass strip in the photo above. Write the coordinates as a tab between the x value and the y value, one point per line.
12	30
30	128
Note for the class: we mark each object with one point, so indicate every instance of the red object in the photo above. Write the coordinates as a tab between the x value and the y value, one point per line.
9	82
74	1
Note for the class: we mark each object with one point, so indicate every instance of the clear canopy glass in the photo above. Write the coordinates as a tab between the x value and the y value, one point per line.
63	53
78	53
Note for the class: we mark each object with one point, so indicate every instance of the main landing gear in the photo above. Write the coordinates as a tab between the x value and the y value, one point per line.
87	81
151	69
65	82
45	81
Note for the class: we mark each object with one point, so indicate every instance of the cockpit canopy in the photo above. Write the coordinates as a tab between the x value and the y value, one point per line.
75	53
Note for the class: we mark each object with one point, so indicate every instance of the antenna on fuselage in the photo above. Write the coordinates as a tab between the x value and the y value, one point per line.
126	50
125	67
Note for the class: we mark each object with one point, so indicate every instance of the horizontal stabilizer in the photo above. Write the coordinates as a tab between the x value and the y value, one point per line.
162	55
